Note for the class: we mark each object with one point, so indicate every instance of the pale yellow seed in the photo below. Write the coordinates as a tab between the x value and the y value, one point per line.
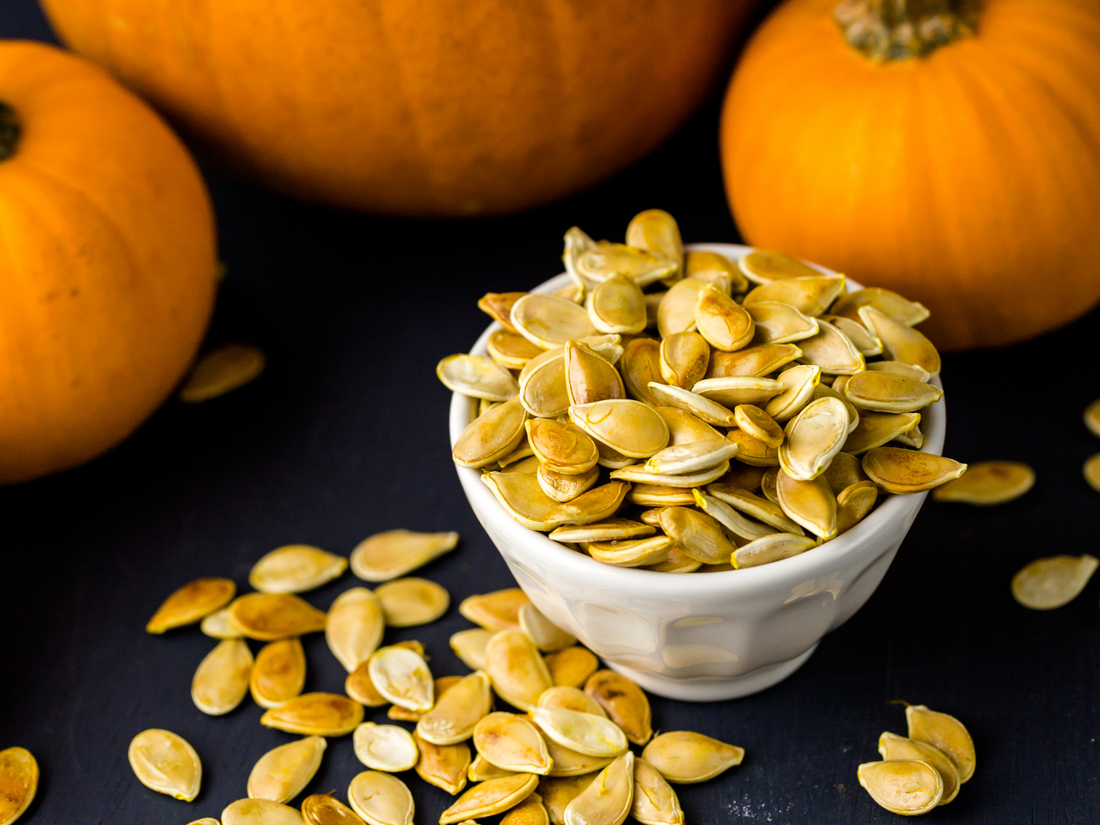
655	802
607	801
218	625
768	549
757	423
458	711
558	791
191	603
469	646
570	698
359	687
494	435
582	732
381	799
222	678
385	747
549	321
988	483
893	748
945	732
222	370
355	626
481	769
546	635
162	761
905	787
260	812
386	556
853	504
282	772
494	611
412	601
491	797
513	743
315	714
1048	583
440	686
516	669
687	757
477	377
403	677
295	568
18	783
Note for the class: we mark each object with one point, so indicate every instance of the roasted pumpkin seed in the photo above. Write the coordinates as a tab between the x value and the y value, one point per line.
492	436
495	611
902	471
546	635
686	756
640	364
813	437
762	266
752	451
355	626
191	603
512	742
946	733
715	268
260	812
491	797
221	680
270	616
684	359
700	536
381	799
295	568
905	787
607	801
988	483
798	388
624	702
585	733
469	646
516	669
561	446
1092	471
676	312
844	470
617	306
615	529
549	321
589	377
832	350
655	803
315	714
511	350
809	294
440	686
755	506
710	412
752	362
629	427
778	323
543	388
498	306
282	772
758	424
810	504
530	811
885	392
901	342
878	428
1092	417
218	626
640	474
385	747
572	666
630	553
359	687
279	673
562	487
457	711
481	769
894	748
322	809
1052	582
853	503
890	303
736	390
557	792
771	548
591	262
445	766
19	783
656	231
403	677
222	370
162	761
864	340
729	518
411	602
477	377
697	456
570	698
386	556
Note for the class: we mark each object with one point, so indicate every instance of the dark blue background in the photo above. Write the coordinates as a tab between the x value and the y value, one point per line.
345	435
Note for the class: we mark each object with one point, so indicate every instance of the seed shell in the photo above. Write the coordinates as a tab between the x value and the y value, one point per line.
757	423
585	733
902	471
715	268
763	266
607	801
561	446
893	747
699	535
617	306
260	812
359	687
905	787
656	231
627	426
440	686
222	678
811	504
988	483
945	732
655	803
625	703
282	772
710	412
322	809
315	714
457	712
481	769
881	391
295	568
412	601
684	359
222	370
779	323
191	603
381	799
546	635
572	666
853	504
493	435
813	437
1053	582
386	556
163	761
513	743
279	673
445	766
589	377
516	669
771	548
495	611
549	321
755	361
615	529
878	428
403	677
686	756
692	458
469	646
217	625
498	306
385	747
355	626
271	616
901	342
558	792
19	783
491	797
530	811
477	377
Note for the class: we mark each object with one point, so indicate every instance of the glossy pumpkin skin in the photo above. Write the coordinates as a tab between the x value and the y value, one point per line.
968	179
107	262
416	107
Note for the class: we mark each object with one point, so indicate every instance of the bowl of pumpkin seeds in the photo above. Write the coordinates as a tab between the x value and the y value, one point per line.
697	460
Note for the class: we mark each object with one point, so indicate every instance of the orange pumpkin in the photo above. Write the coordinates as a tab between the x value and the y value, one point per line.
107	261
416	107
952	154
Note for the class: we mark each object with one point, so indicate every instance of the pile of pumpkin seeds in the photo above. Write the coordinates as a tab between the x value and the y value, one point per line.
562	757
924	770
680	412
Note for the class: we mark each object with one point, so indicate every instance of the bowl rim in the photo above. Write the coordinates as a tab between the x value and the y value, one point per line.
819	561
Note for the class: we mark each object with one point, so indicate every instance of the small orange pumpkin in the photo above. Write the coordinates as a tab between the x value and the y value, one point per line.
416	107
951	154
107	261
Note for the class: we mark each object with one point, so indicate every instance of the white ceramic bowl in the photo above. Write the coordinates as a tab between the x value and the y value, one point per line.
699	636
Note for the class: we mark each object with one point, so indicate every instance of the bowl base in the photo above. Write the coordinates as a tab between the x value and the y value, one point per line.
714	689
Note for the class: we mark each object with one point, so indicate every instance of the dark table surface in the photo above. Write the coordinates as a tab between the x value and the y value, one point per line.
345	435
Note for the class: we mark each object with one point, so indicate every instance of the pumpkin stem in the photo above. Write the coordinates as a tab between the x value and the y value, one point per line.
10	130
901	29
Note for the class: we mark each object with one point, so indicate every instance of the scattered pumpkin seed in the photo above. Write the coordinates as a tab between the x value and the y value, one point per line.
558	791
260	812
516	669
546	635
572	666
19	783
322	809
512	742
267	617
570	698
386	556
355	626
457	711
625	703
498	306
445	766
385	747
403	677
477	377
191	603
902	471
894	748
492	436
686	756
481	769
469	646
282	772
607	801
655	803
162	761
490	797
279	673
585	733
988	483
905	787
295	568
767	549
218	626
945	732
1052	582
495	611
315	714
381	799
1092	417
222	370
221	680
530	811
412	601
359	687
439	686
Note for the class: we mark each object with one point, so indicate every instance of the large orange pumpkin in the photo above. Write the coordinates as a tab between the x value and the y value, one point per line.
416	107
107	261
952	154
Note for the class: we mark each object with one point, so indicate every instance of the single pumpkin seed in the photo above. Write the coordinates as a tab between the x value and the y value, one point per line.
902	471
386	556
498	306
206	820
913	438
798	388
295	568
495	611
282	772
359	687
492	436
585	733
511	350
567	762
626	426
477	377
655	803
162	761
640	473
632	552
385	747
543	389
884	392
440	686
738	389
778	323
753	362
355	626
572	666
625	703
729	518
833	351
864	340
457	711
322	809
412	601
222	370
1092	417
588	376
562	487
607	346
512	742
725	324
905	787
570	698
715	268
279	673
191	603
987	483
1091	471
516	668
898	368
767	484
221	680
758	424
481	769
549	321
558	791
607	801
890	303
755	506
697	534
810	504
771	548
844	471
1052	582
686	756
853	503
659	495
403	677
591	262
381	799
676	312
878	428
260	812
900	342
809	294
753	451
640	364
270	616
656	231
19	783
444	766
946	733
547	636
684	359
685	428
218	626
813	437
469	646
894	748
697	456
492	797
523	498
530	811
615	529
710	412
762	266
561	446
315	714
617	306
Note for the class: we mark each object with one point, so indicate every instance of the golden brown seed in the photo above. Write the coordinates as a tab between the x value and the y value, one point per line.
809	294
588	376
260	812
758	424
684	359
894	747
572	666
469	646
631	553
698	405
492	436
608	799
900	342
516	668
511	350
625	703
546	635
900	309
322	809
403	677
221	680
582	732
755	506
902	471
629	427
655	803
498	306
811	504
476	376
853	504
767	549
549	321
218	626
762	266
659	495
685	428
270	616
163	761
813	437
905	787
779	323
1045	584
676	312
315	714
731	519
530	811
491	797
295	568
844	471
946	733
725	324
513	743
381	799
988	483
562	487
543	389
18	783
1092	471
561	446
279	673
878	428
359	687
752	451
282	773
191	603
457	711
412	601
640	364
385	747
570	698
798	388
687	459
558	792
755	361
865	341
386	556
617	306
481	769
222	370
615	529
355	626
656	231
700	536
884	392
687	757
735	390
444	766
494	611
439	686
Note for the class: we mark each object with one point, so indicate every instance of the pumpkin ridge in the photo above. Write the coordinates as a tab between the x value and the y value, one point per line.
10	131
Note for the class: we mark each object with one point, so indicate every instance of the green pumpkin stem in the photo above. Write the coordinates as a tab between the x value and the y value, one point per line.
10	130
902	29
